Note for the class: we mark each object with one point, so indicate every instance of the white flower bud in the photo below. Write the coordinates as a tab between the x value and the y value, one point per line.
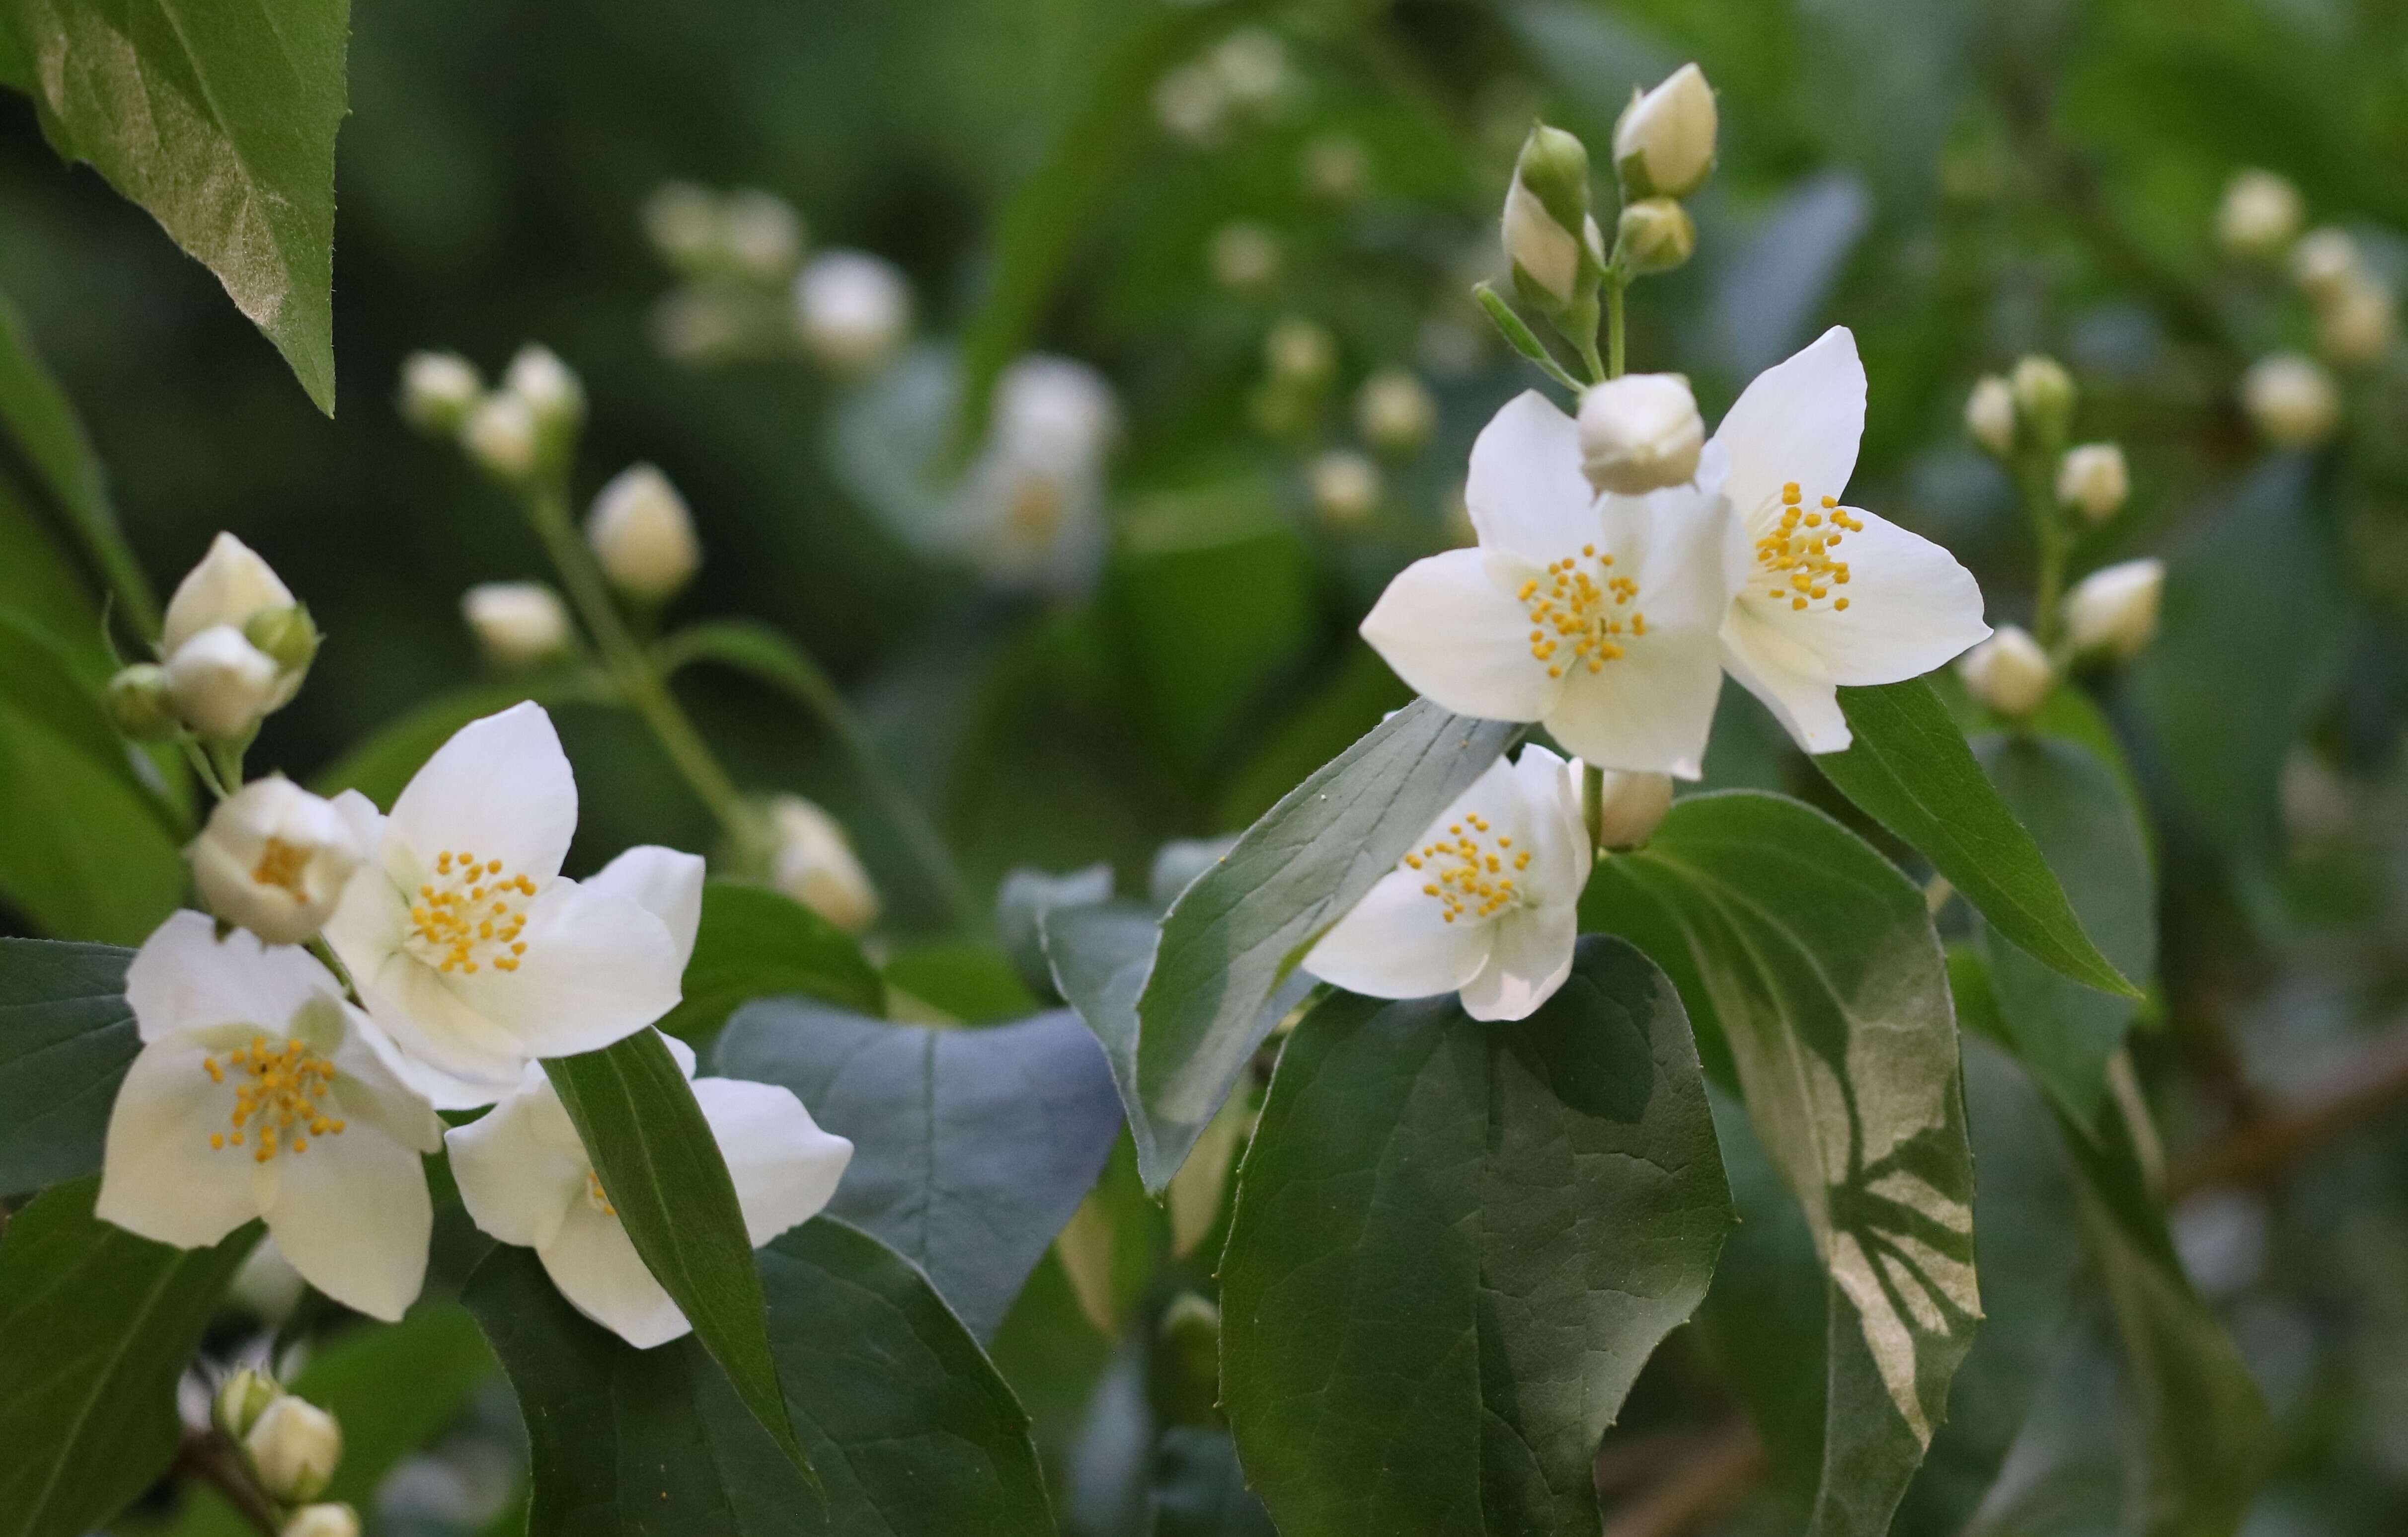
293	1447
323	1521
274	859
2258	215
2044	396
1252	64
2008	673
2293	402
221	683
1345	487
1244	255
1630	806
227	587
1640	432
2355	322
1990	414
642	533
1547	218
2114	608
549	389
501	436
241	1398
852	309
2092	480
2325	260
682	221
1394	410
1664	142
1298	351
438	389
1190	103
1337	167
761	235
140	704
517	623
813	863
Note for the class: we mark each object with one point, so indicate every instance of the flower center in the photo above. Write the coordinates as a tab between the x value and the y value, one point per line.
470	915
276	1096
595	1196
1797	556
1467	874
281	866
1568	604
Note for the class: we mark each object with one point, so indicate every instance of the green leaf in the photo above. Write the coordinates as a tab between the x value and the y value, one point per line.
1019	906
755	943
1233	937
661	1167
1818	960
221	121
1200	1492
966	981
99	1324
66	1038
910	1426
47	688
2078	814
1910	770
379	766
1456	1244
84	848
971	1148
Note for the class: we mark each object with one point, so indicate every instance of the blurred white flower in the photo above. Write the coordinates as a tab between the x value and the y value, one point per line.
682	220
327	1520
2009	673
1244	255
2114	608
553	396
1990	414
2325	260
2293	402
1345	485
812	861
1393	411
438	389
1337	167
1029	512
642	533
1640	432
293	1446
852	309
2355	322
2044	396
761	235
1297	350
274	859
2093	481
1190	102
1252	66
517	623
268	1287
502	436
1664	142
2258	215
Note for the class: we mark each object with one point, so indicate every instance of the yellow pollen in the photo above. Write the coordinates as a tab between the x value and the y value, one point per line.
276	1087
468	918
280	865
1795	555
594	1193
1586	608
1469	877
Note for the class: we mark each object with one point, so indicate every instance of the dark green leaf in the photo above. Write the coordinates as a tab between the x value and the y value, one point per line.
379	766
84	851
1200	1492
1456	1244
754	943
965	981
661	1166
221	121
1101	955
99	1324
47	688
971	1148
1020	905
1233	937
67	1037
910	1427
1910	770
1818	960
2077	813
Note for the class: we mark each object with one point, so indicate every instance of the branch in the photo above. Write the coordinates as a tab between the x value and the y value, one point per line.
2265	1151
1709	1472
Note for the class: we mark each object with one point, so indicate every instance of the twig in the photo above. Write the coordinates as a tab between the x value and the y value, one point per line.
1712	1475
206	1456
2265	1150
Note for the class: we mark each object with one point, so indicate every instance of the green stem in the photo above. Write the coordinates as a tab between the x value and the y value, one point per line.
1614	284
1593	806
205	767
2049	530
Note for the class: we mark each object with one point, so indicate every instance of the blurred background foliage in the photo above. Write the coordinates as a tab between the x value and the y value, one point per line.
1960	183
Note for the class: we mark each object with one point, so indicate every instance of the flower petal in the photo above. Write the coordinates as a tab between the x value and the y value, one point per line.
1398	943
1801	420
1530	959
501	788
785	1167
370	1088
597	969
159	1177
447	1051
184	978
665	882
1558	839
595	1264
1787	678
1648	711
1451	630
1527	493
352	1215
516	1180
1911	607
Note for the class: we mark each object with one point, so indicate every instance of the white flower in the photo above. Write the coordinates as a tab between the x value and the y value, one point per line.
438	389
525	1179
1597	615
1252	64
549	387
1640	432
333	1520
2355	322
1664	142
516	622
642	533
2008	672
1030	511
761	234
293	1447
1825	594
1394	410
813	862
852	309
2114	608
1299	351
2258	215
1484	907
1190	103
260	1093
682	220
1630	807
2293	402
1244	255
2092	480
1990	414
501	434
2324	260
274	859
1345	485
229	587
467	945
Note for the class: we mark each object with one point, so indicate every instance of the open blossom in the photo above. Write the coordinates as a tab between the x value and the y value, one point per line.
1826	594
274	859
1596	615
260	1093
1483	906
525	1178
468	946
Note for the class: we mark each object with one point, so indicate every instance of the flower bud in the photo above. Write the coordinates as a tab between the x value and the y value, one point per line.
1345	487
1299	352
761	235
1664	142
2293	402
438	389
2258	215
323	1521
2045	397
1337	167
501	436
1640	432
1653	234
221	683
286	634
852	310
2008	673
1990	414
813	863
2092	480
555	398
1394	410
1630	807
140	703
1190	103
2114	608
517	623
642	535
1547	219
293	1447
1245	257
2355	322
241	1398
2324	260
229	585
1252	66
682	221
274	859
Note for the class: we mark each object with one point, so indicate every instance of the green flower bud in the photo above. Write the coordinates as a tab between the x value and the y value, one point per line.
286	634
2044	396
1549	235
1655	235
241	1398
139	702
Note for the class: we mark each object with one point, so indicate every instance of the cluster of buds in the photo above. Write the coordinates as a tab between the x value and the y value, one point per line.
290	1448
2110	615
745	234
2026	415
749	292
2290	398
525	426
1245	76
234	647
1394	415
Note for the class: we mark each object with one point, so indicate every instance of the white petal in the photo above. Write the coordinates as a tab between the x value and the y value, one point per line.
1788	679
665	882
1801	420
1677	545
785	1167
597	969
516	1179
1911	607
1557	836
1531	957
369	923
1453	630
352	1215
184	979
159	1177
367	1088
595	1264
447	1051
500	789
1398	943
1649	711
1527	493
361	815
